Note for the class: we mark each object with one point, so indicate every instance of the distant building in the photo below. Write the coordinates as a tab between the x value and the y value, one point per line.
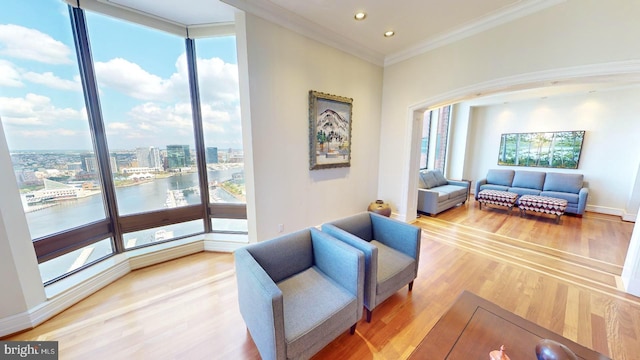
178	156
89	162
148	157
212	155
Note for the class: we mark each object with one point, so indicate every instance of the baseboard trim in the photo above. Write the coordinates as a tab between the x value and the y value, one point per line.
604	210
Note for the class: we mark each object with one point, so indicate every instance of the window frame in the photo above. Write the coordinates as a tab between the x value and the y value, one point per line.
114	226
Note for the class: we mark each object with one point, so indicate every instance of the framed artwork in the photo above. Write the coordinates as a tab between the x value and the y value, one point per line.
329	131
560	149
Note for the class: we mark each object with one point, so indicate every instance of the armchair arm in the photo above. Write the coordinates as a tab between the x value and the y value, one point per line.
478	184
343	263
261	306
370	257
397	234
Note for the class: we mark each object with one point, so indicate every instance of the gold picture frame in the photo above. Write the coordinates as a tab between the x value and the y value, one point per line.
329	130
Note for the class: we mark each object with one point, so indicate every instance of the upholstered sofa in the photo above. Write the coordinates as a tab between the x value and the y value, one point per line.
298	292
437	194
570	187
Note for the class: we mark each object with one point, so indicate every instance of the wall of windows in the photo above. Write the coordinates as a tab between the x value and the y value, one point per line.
107	130
435	134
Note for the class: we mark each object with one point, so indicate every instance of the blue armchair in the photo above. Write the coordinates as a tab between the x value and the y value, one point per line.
391	249
298	292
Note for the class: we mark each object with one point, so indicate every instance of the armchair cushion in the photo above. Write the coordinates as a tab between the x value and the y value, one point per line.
314	304
393	266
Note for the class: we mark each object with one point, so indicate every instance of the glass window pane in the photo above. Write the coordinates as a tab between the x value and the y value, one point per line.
44	118
74	260
150	236
144	95
220	103
230	225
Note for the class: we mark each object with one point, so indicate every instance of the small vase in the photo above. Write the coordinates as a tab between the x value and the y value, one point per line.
380	207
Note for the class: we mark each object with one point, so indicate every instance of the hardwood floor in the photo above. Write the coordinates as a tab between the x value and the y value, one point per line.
563	277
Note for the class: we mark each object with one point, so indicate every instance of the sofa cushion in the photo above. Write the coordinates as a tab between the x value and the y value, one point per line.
524	191
528	179
571	198
305	324
392	264
568	183
500	177
493	187
440	179
428	178
452	190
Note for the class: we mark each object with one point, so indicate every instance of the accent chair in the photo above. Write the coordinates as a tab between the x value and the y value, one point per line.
298	292
391	249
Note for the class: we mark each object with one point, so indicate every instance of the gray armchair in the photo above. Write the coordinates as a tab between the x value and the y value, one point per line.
391	249
298	292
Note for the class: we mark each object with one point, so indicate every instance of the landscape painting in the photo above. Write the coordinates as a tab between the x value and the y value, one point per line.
560	149
329	130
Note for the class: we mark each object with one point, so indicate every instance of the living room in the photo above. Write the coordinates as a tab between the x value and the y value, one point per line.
572	39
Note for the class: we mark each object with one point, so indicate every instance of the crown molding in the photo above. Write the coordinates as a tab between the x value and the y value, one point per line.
487	22
294	22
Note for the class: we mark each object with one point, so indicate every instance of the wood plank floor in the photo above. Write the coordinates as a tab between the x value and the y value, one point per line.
562	277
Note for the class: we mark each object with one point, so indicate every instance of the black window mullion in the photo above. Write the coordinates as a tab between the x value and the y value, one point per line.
198	129
96	123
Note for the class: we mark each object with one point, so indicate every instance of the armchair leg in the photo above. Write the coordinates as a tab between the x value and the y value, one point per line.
411	286
369	312
353	329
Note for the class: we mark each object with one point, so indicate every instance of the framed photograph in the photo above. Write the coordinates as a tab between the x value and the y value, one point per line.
329	131
559	149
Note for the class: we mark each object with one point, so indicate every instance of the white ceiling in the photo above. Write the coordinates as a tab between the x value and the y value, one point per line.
420	25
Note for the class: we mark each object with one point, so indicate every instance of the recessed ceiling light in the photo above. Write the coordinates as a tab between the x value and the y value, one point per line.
389	33
360	16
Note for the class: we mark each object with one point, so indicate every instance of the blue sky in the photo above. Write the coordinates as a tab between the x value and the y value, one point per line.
141	76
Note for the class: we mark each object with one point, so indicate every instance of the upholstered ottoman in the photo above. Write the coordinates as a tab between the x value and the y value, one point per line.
496	197
542	204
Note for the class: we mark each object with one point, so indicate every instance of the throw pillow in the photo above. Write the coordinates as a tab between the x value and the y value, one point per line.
429	179
440	180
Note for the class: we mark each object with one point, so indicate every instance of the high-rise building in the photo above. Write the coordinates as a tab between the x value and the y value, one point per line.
212	155
178	156
148	157
89	162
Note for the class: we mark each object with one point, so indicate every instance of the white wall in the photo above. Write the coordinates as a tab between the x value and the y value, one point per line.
283	66
575	35
610	153
20	281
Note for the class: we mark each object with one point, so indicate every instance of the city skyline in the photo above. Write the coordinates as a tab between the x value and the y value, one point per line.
142	83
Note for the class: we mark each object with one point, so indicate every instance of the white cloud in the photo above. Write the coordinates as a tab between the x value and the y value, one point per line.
118	126
25	43
53	81
36	109
218	81
9	74
130	79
